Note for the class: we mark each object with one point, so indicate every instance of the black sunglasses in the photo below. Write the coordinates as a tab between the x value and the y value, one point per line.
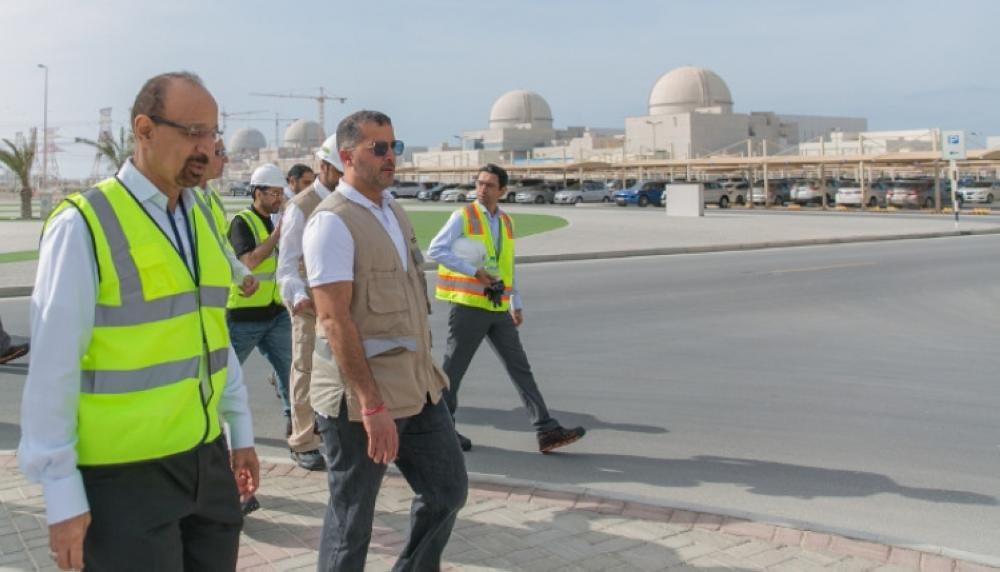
380	148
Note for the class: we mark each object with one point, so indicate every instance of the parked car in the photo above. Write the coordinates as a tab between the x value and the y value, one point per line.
434	193
812	190
585	192
724	192
978	191
780	190
917	193
642	193
849	194
405	189
459	194
533	192
240	189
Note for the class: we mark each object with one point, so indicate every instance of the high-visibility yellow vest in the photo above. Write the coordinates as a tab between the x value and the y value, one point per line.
467	290
264	272
217	207
155	366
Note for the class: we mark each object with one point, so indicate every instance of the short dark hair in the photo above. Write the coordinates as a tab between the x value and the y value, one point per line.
149	100
349	129
298	170
497	170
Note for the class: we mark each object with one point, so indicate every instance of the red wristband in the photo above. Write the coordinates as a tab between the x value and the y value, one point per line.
372	411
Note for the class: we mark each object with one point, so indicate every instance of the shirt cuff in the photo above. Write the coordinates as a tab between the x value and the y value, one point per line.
298	298
64	498
240	430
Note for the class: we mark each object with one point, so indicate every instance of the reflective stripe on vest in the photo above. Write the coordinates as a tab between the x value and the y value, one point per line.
467	290
154	369
267	293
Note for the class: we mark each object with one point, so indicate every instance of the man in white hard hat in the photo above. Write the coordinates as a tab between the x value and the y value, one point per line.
304	442
479	284
260	320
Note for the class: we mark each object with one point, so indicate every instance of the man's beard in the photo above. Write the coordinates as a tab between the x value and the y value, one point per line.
189	176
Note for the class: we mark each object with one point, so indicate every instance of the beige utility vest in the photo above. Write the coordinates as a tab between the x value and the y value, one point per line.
389	306
306	201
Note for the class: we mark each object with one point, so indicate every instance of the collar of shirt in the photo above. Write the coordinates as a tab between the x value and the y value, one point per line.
486	211
354	195
321	189
144	190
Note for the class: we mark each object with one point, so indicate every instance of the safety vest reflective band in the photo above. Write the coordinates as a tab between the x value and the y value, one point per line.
155	366
267	293
467	290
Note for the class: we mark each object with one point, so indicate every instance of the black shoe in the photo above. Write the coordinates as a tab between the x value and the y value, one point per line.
559	437
464	442
309	460
14	352
249	505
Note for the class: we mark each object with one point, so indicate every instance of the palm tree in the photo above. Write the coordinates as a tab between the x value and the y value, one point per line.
116	152
19	159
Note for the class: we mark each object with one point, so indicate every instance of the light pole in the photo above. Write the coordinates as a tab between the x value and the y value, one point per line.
653	125
45	129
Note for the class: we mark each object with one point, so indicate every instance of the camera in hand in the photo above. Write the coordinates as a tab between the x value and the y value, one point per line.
494	293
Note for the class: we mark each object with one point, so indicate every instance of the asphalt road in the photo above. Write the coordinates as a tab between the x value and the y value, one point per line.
850	386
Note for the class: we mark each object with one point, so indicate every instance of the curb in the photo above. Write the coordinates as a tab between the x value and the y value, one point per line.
18	291
792	533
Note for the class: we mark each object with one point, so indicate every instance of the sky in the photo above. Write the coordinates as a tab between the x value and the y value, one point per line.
437	66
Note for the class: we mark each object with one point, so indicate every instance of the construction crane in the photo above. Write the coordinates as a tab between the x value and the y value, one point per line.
321	99
226	115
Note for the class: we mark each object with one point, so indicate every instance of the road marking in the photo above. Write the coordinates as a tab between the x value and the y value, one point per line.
821	268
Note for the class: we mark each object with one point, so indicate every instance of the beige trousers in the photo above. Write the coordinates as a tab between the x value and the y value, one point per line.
303	436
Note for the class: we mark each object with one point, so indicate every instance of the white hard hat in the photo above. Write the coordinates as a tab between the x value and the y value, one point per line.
267	175
469	250
328	152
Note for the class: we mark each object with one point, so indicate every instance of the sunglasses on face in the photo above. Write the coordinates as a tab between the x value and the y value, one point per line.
380	148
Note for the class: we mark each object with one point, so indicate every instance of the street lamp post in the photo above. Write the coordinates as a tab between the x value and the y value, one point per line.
45	128
653	125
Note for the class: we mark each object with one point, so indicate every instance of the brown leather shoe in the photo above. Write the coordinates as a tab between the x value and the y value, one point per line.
559	437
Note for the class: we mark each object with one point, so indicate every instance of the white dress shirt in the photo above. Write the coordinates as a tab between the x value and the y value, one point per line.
328	247
293	226
440	248
62	319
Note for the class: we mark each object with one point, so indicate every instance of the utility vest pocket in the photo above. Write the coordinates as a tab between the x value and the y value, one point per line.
388	312
157	278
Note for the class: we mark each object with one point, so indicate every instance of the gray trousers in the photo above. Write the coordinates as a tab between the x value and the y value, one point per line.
467	326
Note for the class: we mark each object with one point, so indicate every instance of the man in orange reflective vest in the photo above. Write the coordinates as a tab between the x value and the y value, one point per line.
485	303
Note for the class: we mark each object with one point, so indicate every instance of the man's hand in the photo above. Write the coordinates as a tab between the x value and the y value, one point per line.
518	317
246	469
305	305
66	541
249	285
484	277
383	440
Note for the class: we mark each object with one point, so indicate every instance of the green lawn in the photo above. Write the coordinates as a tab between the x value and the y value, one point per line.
425	223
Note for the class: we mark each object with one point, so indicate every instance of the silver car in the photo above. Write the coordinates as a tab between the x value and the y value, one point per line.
538	195
459	194
585	192
978	191
850	194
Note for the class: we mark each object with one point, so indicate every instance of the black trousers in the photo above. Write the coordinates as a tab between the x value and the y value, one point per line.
179	513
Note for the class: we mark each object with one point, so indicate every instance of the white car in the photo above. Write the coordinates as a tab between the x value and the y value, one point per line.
850	194
586	192
978	191
459	194
405	189
812	191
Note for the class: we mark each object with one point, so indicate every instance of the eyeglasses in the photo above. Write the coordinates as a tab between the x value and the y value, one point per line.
380	148
220	152
192	131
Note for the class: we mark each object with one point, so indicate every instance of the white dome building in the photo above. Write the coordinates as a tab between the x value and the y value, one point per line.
521	108
246	141
689	89
304	134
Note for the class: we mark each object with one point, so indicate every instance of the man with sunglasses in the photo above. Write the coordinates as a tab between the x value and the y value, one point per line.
260	320
128	308
375	387
485	304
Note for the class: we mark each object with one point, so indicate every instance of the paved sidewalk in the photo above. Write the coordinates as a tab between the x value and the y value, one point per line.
501	528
